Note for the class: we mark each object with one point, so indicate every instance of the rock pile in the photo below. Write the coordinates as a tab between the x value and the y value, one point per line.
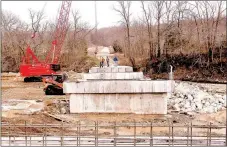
189	97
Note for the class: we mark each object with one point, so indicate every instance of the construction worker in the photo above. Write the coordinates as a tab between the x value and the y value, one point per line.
107	61
102	62
115	60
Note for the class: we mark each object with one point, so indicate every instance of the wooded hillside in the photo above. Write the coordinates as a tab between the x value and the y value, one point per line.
191	36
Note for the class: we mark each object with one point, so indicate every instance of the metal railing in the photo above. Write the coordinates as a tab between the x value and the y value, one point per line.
111	134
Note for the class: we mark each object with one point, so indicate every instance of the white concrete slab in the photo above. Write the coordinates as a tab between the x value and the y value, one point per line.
111	69
118	103
118	76
118	86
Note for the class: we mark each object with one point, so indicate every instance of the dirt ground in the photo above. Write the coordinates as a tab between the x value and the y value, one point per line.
13	88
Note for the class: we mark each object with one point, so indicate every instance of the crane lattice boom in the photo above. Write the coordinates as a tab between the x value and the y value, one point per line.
59	34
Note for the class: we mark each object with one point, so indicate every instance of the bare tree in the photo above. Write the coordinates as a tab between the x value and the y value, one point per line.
36	18
158	7
209	19
14	36
38	28
148	21
123	9
75	45
80	27
139	39
76	18
196	16
10	21
180	7
217	21
168	23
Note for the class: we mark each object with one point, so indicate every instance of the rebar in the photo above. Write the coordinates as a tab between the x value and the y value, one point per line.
63	134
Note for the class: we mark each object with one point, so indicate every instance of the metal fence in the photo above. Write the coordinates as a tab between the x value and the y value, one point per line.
111	134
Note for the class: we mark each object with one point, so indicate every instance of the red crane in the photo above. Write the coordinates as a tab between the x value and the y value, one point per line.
32	68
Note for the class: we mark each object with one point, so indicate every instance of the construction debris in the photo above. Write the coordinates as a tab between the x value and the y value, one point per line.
22	107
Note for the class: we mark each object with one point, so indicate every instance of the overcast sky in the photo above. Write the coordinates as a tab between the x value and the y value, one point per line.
105	14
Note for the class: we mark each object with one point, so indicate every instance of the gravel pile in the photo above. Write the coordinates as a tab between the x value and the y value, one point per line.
189	97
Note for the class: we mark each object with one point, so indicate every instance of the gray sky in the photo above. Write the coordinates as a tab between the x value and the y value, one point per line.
105	14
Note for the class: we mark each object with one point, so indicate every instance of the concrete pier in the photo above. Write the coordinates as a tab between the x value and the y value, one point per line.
117	76
112	69
119	103
120	86
107	91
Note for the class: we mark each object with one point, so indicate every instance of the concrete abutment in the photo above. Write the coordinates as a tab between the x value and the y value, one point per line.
107	91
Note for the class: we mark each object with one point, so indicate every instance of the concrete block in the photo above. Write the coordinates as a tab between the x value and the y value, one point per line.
122	103
110	102
121	69
128	69
111	69
101	76
118	103
94	70
136	103
118	86
76	103
114	69
118	90
108	70
118	76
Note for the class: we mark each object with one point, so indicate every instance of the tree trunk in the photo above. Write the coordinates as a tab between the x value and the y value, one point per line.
159	51
150	48
132	60
220	53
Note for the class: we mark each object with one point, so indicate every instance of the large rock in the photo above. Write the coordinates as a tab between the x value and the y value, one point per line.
219	106
176	107
177	100
199	106
187	104
215	109
190	98
221	101
200	95
63	110
203	101
210	109
217	96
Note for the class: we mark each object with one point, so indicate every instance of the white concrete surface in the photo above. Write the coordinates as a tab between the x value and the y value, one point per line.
119	103
118	86
108	75
122	91
111	69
